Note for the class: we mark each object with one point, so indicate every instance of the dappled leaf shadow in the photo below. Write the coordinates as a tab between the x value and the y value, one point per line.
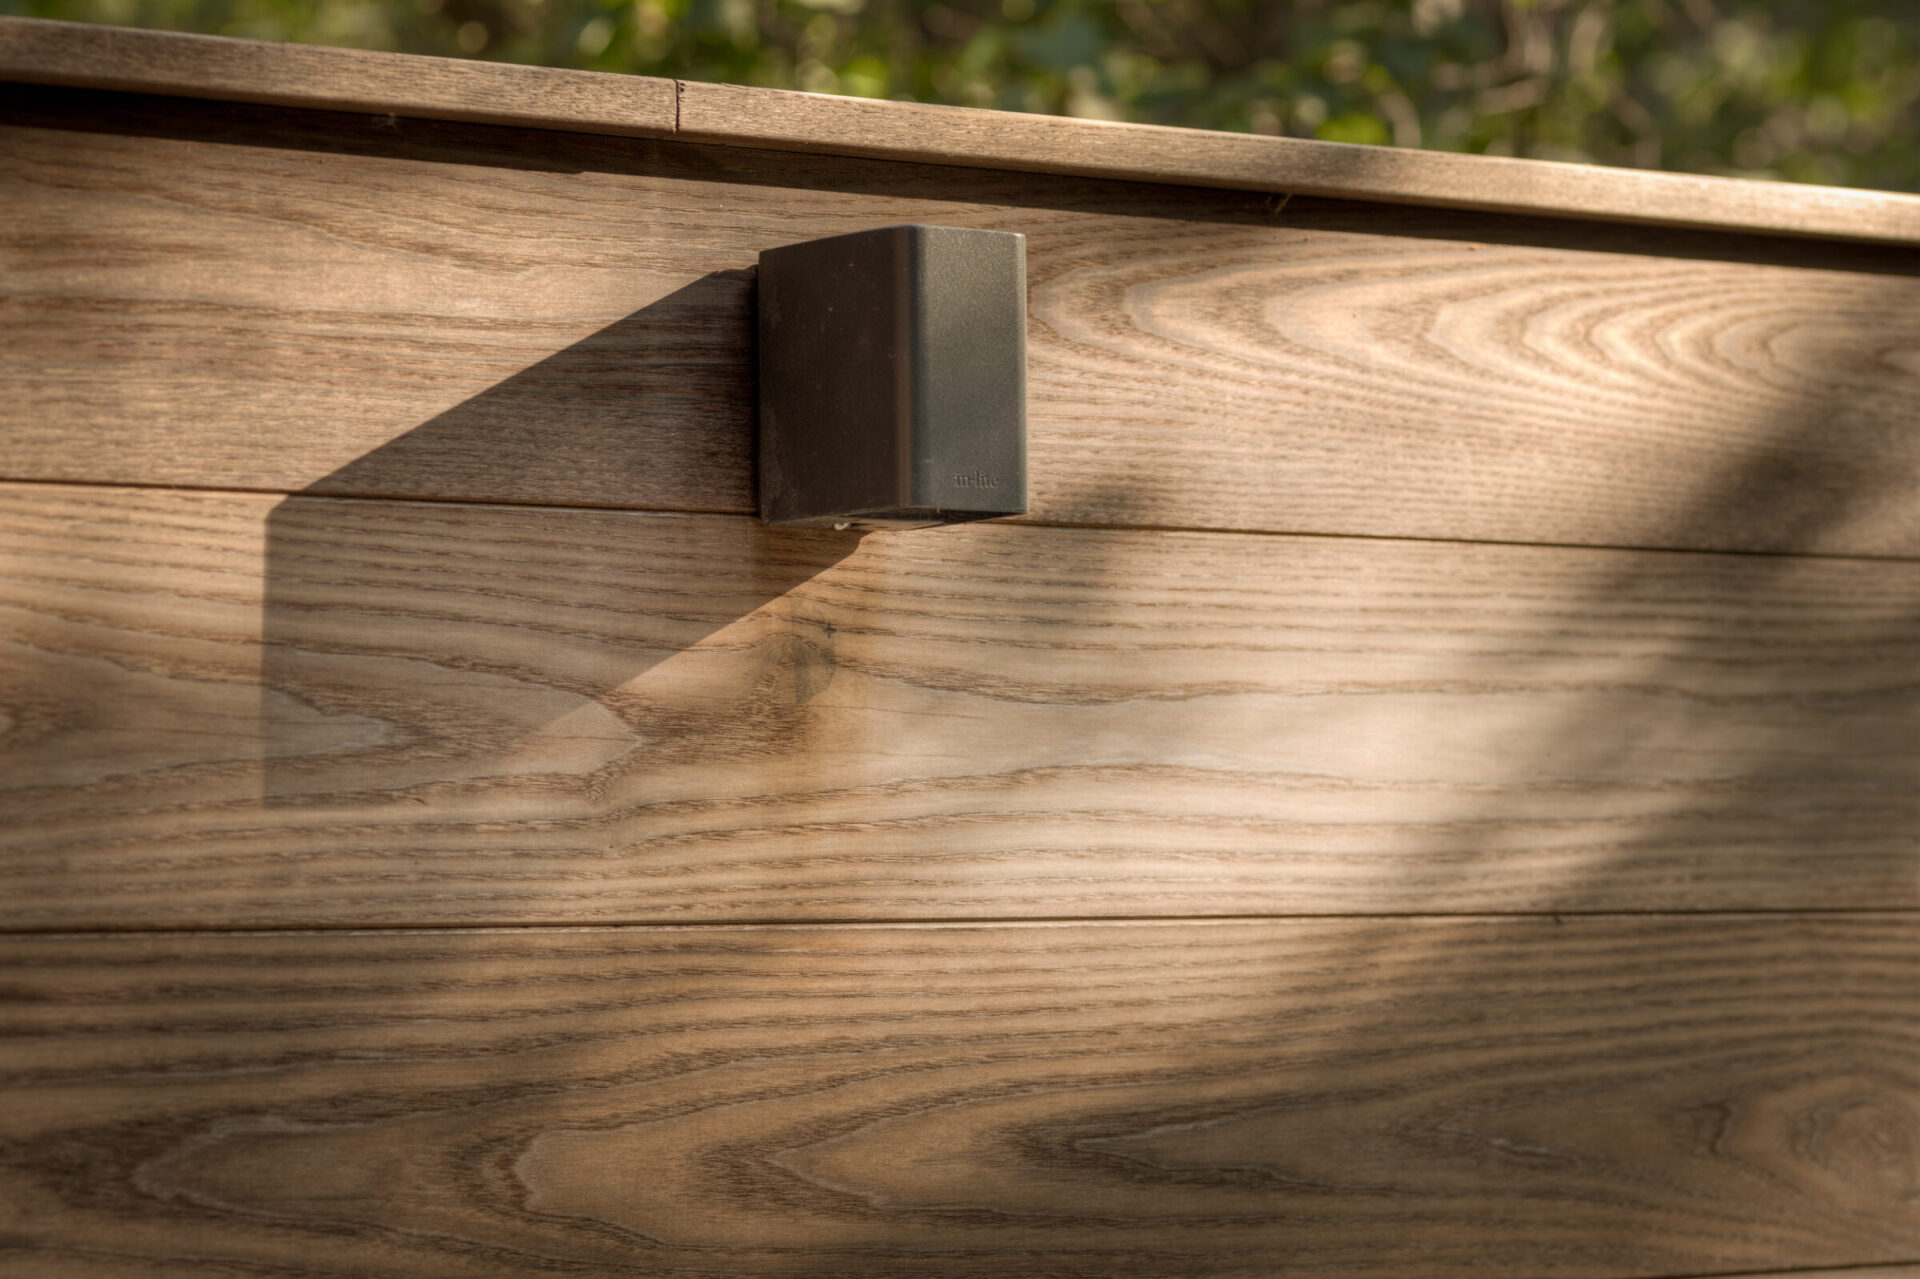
459	698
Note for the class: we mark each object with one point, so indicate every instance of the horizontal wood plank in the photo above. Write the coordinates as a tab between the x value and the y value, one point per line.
93	56
783	120
1591	1099
1851	1272
89	56
227	710
239	297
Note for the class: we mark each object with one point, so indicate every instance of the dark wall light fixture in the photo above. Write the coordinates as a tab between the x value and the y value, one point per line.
893	378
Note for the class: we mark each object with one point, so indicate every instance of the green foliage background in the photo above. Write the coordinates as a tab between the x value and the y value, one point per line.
1807	90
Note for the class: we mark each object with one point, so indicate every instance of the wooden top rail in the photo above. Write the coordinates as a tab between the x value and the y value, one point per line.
99	57
294	75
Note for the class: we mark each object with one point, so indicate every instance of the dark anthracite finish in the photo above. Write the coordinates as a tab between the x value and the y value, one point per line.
893	378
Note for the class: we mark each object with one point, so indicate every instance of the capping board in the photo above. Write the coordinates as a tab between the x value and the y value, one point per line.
236	711
250	297
1429	1099
39	51
783	119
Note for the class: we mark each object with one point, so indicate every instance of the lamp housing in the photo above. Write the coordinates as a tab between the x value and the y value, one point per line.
892	378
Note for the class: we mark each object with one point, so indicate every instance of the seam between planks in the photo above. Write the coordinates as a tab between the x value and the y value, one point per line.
988	921
1869	1268
721	512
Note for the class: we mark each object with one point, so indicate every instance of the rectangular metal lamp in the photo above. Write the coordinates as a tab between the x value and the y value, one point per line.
893	378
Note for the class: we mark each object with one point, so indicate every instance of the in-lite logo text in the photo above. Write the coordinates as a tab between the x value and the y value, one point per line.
976	480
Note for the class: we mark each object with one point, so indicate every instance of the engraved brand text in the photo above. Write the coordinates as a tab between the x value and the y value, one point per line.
976	480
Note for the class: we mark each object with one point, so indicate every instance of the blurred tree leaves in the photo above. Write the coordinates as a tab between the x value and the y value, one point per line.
1808	90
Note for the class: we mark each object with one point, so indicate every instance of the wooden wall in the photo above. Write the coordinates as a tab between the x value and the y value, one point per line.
1432	789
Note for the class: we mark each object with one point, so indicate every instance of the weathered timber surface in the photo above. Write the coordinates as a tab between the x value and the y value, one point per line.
87	56
206	294
326	295
1597	1097
93	56
1851	1272
239	710
743	116
251	710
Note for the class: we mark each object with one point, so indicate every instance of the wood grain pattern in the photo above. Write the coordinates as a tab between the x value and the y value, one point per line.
247	298
96	57
780	119
92	56
229	710
223	711
1556	1100
277	313
1851	1272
